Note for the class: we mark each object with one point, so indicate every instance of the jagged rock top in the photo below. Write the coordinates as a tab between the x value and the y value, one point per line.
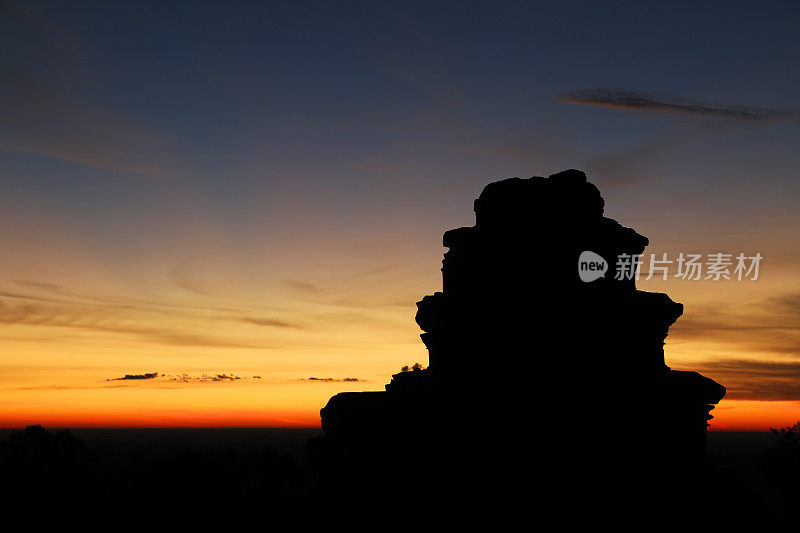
564	207
566	195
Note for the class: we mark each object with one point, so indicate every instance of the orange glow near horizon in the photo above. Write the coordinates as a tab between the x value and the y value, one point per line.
205	419
743	415
730	415
64	349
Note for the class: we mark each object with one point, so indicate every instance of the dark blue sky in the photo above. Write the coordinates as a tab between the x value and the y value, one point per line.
332	116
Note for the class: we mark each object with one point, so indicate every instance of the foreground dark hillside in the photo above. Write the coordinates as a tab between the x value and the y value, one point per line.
185	474
174	474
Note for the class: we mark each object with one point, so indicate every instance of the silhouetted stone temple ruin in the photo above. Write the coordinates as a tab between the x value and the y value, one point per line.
536	378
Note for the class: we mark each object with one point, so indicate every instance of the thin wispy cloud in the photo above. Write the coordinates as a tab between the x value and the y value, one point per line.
756	380
41	120
69	387
770	327
40	116
788	303
531	147
74	313
184	276
269	322
331	380
627	166
626	100
302	286
39	285
111	320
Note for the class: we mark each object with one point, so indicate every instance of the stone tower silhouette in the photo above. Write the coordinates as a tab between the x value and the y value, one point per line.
516	339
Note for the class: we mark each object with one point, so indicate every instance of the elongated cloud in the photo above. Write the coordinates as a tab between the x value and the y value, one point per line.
626	100
181	378
127	377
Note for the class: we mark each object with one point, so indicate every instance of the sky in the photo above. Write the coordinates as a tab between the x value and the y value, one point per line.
241	196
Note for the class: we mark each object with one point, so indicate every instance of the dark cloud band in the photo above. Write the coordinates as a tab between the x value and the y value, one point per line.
626	100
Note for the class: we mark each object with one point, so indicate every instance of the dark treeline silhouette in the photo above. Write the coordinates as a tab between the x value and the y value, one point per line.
46	464
781	468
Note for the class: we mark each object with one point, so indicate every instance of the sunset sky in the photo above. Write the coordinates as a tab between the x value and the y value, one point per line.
222	190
